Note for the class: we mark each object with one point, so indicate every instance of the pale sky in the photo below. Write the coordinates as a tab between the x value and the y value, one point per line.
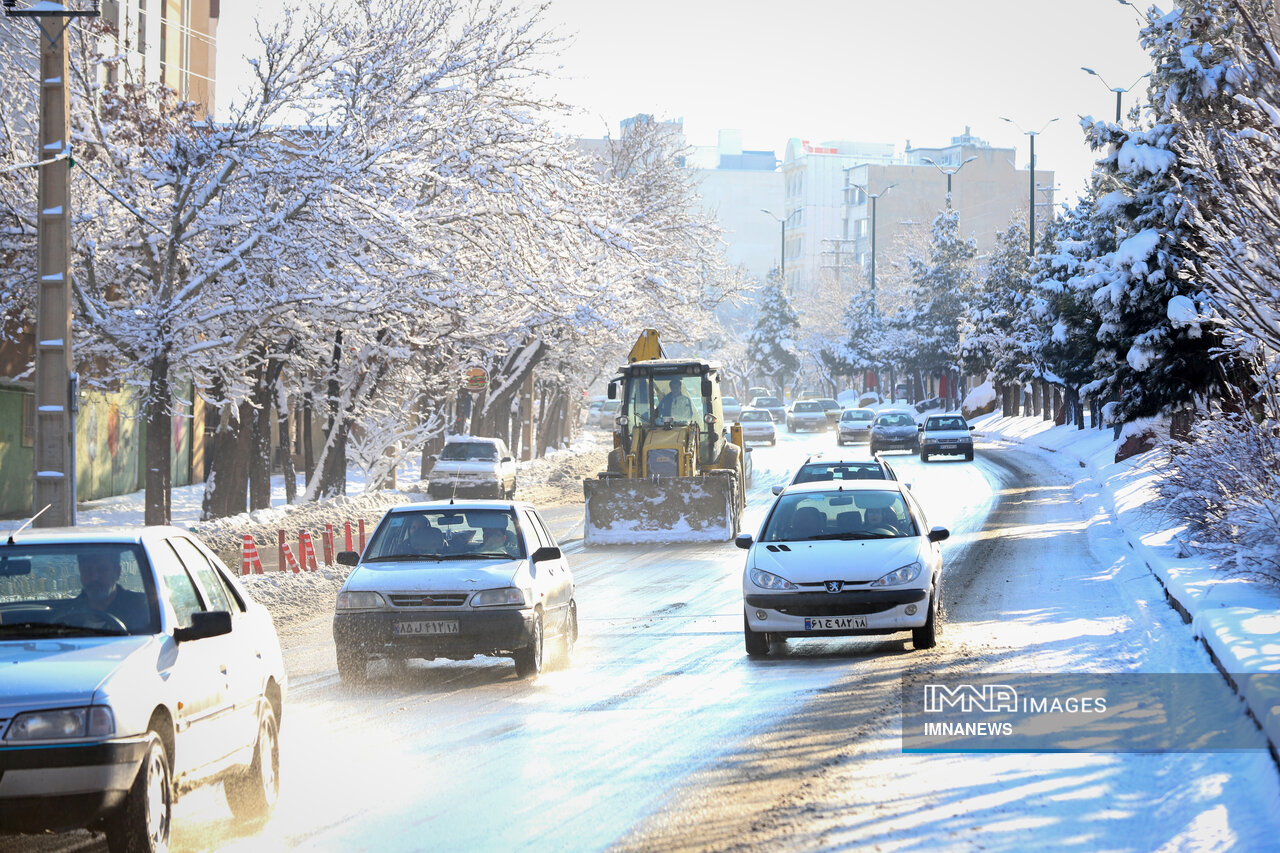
860	70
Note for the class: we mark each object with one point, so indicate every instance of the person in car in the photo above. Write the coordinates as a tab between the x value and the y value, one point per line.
422	538
494	540
879	517
676	404
100	592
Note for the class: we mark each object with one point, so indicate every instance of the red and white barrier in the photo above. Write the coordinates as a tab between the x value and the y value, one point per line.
290	563
249	560
327	543
347	542
306	551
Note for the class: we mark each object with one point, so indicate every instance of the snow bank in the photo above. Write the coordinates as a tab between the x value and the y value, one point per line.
1237	619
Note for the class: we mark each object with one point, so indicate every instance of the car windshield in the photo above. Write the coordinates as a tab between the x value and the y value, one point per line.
857	415
827	404
769	401
469	451
895	420
75	589
807	407
814	472
447	533
749	416
947	423
729	401
808	516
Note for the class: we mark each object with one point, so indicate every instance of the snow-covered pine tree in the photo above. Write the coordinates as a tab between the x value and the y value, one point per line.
772	342
992	344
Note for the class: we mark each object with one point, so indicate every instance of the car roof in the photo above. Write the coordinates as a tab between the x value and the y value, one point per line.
845	486
836	458
455	439
469	503
133	534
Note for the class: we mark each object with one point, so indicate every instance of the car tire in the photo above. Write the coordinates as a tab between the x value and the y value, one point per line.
968	457
570	636
252	795
839	441
353	667
926	636
141	824
528	660
757	642
874	449
924	457
772	442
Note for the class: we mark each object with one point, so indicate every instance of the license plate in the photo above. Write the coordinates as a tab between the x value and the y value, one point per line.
948	446
835	623
403	629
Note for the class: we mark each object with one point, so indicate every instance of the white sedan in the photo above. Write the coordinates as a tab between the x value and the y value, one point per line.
136	668
758	425
842	559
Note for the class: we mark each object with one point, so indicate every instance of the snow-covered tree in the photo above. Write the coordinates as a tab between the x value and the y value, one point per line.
772	341
993	328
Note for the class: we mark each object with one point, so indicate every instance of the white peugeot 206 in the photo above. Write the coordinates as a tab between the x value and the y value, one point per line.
842	558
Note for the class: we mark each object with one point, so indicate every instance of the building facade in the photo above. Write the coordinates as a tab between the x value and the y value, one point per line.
742	190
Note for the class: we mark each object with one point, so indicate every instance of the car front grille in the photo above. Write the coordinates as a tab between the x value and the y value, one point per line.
429	599
865	609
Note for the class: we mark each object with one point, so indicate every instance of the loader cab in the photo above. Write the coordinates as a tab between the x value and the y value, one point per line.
663	397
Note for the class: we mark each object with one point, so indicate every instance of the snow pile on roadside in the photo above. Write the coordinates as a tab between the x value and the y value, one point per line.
1236	618
294	599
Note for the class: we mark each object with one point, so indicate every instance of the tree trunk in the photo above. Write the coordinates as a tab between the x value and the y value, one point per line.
308	447
159	444
227	486
284	422
333	474
268	375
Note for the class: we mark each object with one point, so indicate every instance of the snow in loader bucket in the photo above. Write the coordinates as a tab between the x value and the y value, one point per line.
669	509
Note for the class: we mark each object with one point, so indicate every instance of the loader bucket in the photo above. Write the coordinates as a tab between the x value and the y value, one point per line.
622	511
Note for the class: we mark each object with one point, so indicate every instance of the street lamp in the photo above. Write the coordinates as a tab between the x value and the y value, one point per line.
874	198
1031	207
950	173
1119	92
782	221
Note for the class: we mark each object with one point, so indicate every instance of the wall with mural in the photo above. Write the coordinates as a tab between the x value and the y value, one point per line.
17	459
107	445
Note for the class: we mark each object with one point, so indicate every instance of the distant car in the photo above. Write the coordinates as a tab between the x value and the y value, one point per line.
773	406
473	466
823	466
843	559
757	425
608	413
832	407
455	580
136	668
946	435
806	414
931	403
593	410
854	426
732	408
758	391
894	431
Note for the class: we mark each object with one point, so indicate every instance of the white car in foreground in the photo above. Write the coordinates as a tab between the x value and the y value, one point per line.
135	668
842	559
455	580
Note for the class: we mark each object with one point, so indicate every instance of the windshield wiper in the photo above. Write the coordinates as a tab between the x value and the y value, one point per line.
57	629
388	558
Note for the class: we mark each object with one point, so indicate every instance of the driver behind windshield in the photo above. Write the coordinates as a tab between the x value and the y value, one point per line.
101	592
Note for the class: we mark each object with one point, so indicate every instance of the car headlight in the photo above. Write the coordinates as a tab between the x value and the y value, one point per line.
62	723
360	601
507	596
906	574
766	580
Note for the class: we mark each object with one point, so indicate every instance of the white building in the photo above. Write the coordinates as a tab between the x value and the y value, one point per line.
737	186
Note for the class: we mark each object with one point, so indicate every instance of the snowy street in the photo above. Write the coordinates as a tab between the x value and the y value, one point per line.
662	734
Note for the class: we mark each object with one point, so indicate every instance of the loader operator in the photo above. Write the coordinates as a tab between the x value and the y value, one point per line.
676	404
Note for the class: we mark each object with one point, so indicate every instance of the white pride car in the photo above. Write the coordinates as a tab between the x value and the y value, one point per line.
846	558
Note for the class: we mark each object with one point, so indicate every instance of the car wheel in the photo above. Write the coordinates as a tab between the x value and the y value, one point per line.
839	441
570	635
529	659
968	457
141	824
757	642
772	442
874	449
353	667
926	636
924	457
252	796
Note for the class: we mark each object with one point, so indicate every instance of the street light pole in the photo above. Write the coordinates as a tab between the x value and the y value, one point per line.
950	173
874	198
1119	92
782	221
1031	206
54	473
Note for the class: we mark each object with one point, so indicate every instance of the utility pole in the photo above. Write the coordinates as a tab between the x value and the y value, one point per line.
54	483
1031	204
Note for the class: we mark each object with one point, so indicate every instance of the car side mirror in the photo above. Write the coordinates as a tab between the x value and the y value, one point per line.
508	459
613	390
919	427
970	429
204	623
777	490
707	389
743	540
348	558
937	534
547	552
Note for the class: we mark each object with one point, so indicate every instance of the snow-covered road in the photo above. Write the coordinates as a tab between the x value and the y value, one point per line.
663	735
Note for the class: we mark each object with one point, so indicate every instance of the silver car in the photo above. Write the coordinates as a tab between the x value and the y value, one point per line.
757	425
806	414
946	435
854	426
136	668
894	431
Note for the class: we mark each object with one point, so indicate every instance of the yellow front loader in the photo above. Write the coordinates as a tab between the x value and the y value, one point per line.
677	470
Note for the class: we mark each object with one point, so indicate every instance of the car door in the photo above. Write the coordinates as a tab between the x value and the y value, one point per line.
552	576
240	651
194	669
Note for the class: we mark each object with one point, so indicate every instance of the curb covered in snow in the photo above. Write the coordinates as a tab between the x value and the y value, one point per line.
1236	619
